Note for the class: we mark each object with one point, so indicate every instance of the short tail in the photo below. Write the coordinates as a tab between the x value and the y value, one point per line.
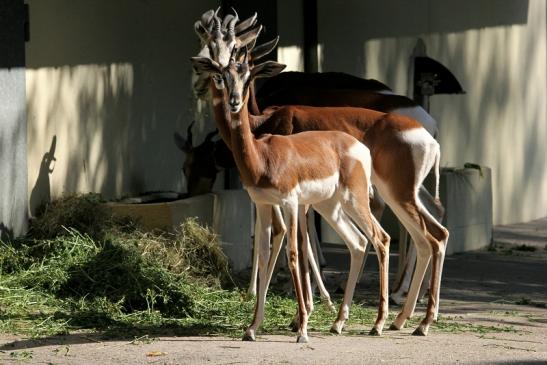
437	173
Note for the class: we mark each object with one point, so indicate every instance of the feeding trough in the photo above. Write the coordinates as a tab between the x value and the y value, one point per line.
228	212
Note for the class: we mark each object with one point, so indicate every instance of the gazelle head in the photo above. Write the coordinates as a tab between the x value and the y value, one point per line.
199	167
237	75
218	39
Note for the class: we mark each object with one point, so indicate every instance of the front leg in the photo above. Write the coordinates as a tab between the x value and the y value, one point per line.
291	217
262	245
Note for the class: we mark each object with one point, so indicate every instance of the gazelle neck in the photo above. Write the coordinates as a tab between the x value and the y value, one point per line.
245	147
252	105
221	113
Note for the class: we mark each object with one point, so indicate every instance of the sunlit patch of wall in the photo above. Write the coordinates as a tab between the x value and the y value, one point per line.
72	114
292	56
108	83
497	50
290	28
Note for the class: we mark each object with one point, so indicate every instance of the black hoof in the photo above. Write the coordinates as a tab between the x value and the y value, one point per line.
374	332
248	337
333	330
419	332
393	327
302	339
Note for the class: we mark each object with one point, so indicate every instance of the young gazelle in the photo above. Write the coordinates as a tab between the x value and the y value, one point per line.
218	39
329	170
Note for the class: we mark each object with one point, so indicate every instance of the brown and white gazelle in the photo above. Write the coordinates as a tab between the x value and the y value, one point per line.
329	170
402	155
218	40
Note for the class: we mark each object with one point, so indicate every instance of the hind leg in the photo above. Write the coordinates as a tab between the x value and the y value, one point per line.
361	215
430	241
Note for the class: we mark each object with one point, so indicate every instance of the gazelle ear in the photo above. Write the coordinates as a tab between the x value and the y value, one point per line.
247	37
267	69
182	143
205	65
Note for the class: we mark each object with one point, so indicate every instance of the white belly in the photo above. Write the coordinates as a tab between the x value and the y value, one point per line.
306	192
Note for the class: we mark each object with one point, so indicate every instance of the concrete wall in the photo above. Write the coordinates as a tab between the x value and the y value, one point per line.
497	50
108	82
13	122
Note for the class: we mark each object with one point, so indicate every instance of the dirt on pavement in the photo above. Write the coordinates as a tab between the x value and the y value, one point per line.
496	302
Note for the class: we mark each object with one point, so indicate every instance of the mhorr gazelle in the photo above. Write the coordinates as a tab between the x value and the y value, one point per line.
402	152
292	88
329	170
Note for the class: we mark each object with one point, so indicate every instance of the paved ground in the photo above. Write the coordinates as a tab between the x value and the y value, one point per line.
505	290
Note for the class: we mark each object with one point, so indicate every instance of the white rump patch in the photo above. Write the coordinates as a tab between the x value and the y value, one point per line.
420	115
424	149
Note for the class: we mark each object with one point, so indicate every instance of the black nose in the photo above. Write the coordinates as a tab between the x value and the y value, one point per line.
234	99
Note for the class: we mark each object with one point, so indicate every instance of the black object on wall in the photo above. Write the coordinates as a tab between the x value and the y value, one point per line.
430	78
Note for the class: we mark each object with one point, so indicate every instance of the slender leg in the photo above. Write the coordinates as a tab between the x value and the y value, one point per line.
430	240
404	262
291	217
305	258
399	294
251	292
361	215
308	231
279	229
332	212
377	207
434	288
314	238
407	253
262	243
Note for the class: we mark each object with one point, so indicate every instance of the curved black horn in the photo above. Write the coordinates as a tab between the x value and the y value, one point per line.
206	19
217	20
232	23
227	19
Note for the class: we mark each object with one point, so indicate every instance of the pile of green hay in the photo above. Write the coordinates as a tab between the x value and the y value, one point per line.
86	267
80	269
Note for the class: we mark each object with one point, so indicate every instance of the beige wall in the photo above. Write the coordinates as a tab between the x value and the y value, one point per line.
108	82
497	50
